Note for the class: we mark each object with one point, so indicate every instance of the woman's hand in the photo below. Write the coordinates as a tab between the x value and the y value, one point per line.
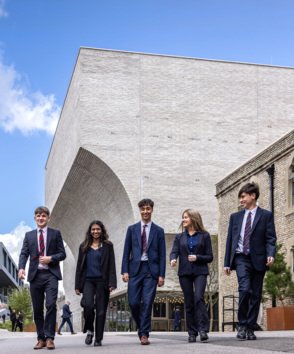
78	292
173	262
192	258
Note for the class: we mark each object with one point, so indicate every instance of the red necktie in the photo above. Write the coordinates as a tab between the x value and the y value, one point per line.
247	233
41	243
144	240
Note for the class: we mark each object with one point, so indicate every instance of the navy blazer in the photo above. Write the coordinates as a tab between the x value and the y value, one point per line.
54	248
156	252
203	253
66	313
262	240
107	266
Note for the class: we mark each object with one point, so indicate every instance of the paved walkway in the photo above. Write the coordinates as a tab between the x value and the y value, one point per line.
161	342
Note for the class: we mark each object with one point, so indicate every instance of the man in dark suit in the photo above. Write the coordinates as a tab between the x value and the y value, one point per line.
45	248
66	315
143	267
250	249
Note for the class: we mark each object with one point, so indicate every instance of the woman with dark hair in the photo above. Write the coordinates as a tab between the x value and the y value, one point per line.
193	248
95	278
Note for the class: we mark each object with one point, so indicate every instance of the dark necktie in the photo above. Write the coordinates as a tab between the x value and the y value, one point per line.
247	234
144	240
41	243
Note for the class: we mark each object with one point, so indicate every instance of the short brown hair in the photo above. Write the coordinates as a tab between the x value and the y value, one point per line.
249	188
42	209
146	201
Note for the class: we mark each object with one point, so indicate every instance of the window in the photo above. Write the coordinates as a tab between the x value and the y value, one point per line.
291	180
159	309
5	258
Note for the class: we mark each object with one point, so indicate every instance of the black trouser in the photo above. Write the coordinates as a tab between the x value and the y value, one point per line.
95	297
250	290
193	287
44	287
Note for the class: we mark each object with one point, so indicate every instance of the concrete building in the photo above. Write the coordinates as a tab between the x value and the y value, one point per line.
139	125
273	170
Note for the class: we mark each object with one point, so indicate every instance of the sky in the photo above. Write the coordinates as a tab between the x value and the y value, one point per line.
39	44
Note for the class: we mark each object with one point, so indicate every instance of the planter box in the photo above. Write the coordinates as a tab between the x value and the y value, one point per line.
280	318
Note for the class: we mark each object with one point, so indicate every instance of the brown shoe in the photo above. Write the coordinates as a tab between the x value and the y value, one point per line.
50	343
144	340
40	344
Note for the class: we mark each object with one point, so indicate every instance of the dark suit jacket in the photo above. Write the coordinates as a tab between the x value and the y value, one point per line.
203	252
54	248
131	259
66	313
262	239
107	267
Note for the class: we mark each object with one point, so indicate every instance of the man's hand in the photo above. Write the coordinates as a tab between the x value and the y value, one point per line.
173	262
111	288
21	274
45	259
125	277
269	261
78	292
227	271
160	281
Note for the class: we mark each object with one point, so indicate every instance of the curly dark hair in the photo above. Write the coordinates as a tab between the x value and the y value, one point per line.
89	238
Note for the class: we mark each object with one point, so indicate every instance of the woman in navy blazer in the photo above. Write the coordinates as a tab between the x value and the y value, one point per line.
193	248
95	278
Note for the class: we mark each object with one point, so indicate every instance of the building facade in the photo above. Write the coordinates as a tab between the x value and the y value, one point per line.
137	125
273	170
8	274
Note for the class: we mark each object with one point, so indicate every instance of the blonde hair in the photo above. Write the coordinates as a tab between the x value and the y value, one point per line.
196	219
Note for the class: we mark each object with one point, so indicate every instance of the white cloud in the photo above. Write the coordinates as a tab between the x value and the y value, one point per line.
3	12
13	240
22	110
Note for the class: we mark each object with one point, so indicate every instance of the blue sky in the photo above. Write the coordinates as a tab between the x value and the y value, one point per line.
39	43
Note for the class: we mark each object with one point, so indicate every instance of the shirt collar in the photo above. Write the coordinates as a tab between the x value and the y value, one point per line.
44	229
148	225
253	211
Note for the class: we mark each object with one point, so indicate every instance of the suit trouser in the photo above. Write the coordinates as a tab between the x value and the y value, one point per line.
141	294
250	290
68	321
44	283
193	287
95	298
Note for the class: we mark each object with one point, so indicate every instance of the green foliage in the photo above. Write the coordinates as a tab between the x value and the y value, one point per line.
278	281
20	301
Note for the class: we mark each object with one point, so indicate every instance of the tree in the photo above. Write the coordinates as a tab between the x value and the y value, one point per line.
211	294
20	301
278	281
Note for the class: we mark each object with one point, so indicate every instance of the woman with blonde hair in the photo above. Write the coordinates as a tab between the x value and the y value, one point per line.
193	248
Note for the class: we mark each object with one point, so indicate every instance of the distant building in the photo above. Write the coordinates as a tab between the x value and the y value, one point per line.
8	274
273	170
137	125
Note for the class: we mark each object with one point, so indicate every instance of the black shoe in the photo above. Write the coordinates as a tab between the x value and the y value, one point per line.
89	339
203	336
97	343
250	334
192	339
241	335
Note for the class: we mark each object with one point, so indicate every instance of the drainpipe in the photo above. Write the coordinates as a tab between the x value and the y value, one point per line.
271	174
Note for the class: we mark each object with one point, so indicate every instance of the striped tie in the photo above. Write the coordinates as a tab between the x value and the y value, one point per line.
247	233
144	240
41	243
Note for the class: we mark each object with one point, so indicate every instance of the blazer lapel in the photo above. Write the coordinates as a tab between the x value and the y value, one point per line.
138	233
151	234
103	254
256	219
35	241
49	238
